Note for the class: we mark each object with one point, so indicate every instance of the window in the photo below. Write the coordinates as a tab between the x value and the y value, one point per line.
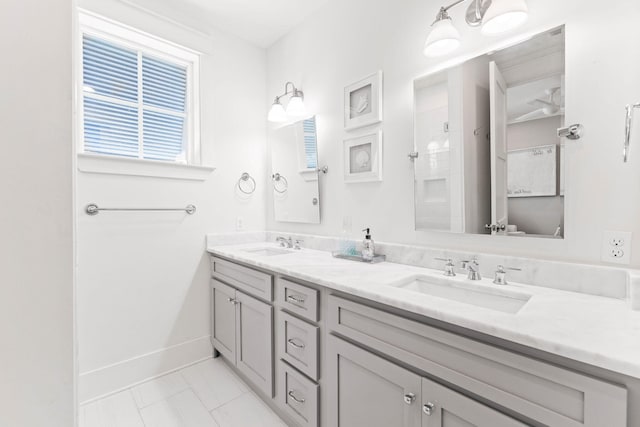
139	95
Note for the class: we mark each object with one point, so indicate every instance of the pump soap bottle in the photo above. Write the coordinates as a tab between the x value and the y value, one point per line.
368	246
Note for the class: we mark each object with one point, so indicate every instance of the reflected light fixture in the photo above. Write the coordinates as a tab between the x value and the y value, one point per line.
295	107
493	16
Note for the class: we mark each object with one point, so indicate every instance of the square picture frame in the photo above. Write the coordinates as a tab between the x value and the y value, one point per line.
363	102
362	158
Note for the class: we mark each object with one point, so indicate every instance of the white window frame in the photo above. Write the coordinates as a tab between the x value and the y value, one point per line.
141	42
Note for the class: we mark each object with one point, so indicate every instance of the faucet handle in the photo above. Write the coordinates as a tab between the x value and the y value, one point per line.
449	267
501	274
298	244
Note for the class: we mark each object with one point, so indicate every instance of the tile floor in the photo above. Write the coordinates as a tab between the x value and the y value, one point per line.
207	394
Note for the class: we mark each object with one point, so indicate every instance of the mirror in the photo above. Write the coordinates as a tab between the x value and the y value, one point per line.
489	159
294	173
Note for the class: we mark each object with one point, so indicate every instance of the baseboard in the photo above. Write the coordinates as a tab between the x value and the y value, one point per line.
110	379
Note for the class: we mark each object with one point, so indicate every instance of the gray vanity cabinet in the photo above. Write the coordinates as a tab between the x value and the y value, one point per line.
242	323
443	407
366	390
254	341
223	319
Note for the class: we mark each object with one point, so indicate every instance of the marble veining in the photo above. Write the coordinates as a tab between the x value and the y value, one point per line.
590	279
596	330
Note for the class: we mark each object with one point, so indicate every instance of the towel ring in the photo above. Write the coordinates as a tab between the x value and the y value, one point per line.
245	177
280	178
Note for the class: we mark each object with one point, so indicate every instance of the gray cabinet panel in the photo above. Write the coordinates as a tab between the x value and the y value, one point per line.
366	390
254	341
537	390
251	281
298	299
223	326
443	407
299	343
299	396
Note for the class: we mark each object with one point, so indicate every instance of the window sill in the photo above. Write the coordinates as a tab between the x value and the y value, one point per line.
108	165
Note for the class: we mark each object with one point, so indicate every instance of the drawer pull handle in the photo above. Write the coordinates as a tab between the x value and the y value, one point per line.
428	408
294	344
296	299
409	398
232	301
291	395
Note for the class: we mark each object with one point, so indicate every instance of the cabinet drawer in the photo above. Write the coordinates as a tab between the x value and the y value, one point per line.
549	394
299	396
299	343
299	299
251	281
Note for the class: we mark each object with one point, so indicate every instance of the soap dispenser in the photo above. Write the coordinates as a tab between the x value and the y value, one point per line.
368	247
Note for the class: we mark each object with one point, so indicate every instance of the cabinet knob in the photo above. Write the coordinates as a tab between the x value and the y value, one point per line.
409	398
428	408
232	301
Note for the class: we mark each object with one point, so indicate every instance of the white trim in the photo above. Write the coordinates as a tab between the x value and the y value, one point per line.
115	165
107	380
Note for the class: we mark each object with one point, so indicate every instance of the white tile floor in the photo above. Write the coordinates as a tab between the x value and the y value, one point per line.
207	394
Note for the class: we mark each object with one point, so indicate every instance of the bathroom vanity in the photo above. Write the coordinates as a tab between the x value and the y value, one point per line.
333	343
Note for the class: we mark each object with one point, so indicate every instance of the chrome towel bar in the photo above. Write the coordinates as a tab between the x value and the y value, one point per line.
93	209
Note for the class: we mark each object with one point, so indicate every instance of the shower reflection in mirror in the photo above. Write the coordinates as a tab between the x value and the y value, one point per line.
489	157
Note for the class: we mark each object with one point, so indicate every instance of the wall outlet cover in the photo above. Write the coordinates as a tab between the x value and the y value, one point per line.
616	247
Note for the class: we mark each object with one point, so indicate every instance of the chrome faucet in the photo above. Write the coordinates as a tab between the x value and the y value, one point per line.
284	242
449	267
501	275
473	269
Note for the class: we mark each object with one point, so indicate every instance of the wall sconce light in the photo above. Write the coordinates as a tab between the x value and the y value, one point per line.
494	17
295	107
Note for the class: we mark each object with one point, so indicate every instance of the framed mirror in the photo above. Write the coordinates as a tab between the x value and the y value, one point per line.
489	160
294	172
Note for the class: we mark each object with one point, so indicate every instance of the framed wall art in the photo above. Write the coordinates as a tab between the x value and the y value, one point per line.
363	158
363	102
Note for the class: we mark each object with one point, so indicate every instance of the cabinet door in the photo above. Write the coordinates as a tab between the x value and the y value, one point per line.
366	390
223	319
443	407
254	345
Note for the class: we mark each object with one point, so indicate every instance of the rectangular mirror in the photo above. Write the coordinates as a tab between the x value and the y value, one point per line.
294	173
489	160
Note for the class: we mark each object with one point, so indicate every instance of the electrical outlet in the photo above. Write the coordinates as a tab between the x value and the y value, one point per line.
239	224
616	247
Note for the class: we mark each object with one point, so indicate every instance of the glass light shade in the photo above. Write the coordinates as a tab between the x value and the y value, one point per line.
444	38
296	107
277	113
504	15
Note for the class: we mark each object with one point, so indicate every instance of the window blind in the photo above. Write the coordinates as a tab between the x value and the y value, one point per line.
310	143
135	105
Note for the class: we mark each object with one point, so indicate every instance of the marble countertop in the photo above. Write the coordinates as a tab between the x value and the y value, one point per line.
596	330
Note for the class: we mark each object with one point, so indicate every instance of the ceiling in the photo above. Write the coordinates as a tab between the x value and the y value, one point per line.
261	22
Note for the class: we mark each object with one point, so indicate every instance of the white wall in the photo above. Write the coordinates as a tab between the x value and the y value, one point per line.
348	40
143	298
36	208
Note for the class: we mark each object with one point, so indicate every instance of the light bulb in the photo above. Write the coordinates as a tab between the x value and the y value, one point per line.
444	38
277	113
504	15
296	107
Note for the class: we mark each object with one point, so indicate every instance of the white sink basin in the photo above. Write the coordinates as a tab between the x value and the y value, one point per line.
498	299
268	251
